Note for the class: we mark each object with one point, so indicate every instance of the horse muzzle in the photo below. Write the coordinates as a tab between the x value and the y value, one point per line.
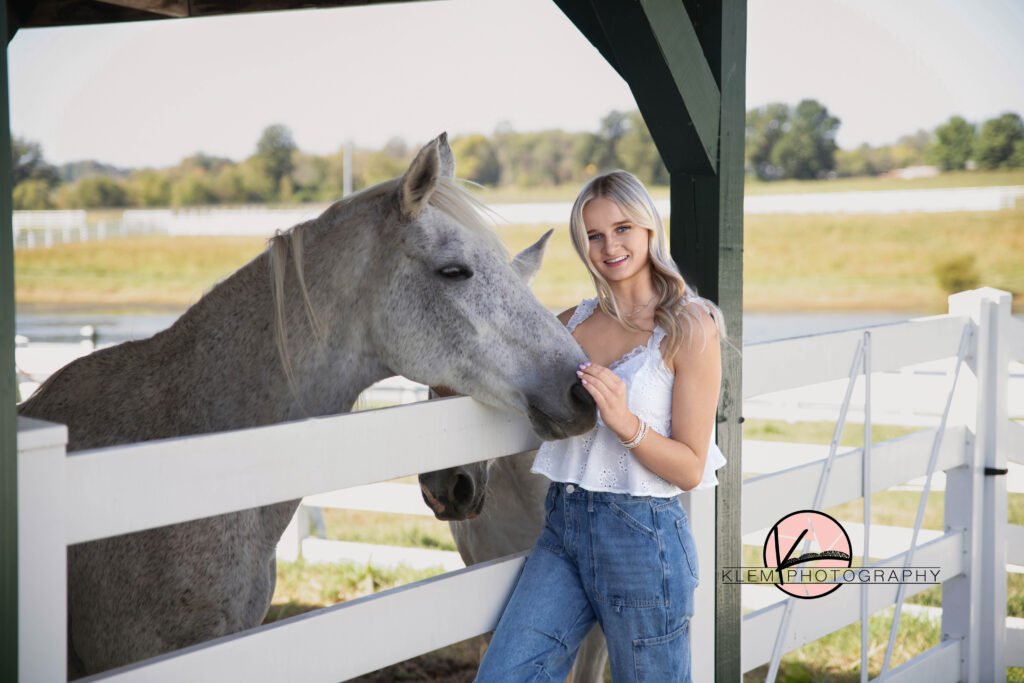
578	414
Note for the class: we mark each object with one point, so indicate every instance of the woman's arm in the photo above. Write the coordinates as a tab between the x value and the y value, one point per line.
678	459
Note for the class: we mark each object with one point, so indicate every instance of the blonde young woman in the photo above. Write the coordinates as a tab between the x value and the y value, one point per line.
616	547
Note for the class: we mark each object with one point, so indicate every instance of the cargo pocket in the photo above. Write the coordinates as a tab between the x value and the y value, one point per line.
664	658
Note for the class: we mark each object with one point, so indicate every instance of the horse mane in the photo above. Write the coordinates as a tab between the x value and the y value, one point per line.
448	196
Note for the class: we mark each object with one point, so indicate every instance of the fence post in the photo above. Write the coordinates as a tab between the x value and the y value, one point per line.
42	552
974	606
700	509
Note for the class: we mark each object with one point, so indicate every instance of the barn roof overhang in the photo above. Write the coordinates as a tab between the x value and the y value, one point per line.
42	13
684	61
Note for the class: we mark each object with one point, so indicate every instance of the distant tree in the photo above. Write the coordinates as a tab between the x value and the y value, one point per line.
313	180
257	182
275	148
98	191
912	150
202	162
150	188
27	163
764	127
476	159
76	170
31	195
553	156
638	153
954	141
598	150
855	162
382	165
1017	158
1001	143
807	149
228	185
195	189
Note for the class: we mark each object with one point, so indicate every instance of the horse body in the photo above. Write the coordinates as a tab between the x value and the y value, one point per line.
388	282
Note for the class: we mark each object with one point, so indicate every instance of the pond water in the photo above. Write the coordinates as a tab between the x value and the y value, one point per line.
113	327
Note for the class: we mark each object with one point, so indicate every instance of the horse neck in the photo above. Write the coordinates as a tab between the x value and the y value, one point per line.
230	336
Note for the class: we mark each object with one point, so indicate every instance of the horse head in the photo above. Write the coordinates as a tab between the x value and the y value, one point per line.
407	278
457	313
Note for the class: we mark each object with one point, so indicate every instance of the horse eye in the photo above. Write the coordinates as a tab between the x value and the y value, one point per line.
456	272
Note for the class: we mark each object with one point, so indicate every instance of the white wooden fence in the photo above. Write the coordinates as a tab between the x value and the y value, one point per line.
93	494
46	228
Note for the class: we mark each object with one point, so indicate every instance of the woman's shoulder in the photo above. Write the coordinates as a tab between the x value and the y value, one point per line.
701	329
700	310
584	309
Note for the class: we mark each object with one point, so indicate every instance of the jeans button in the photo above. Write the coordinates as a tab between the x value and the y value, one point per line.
570	488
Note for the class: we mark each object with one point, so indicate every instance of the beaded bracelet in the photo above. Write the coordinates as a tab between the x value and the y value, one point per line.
641	432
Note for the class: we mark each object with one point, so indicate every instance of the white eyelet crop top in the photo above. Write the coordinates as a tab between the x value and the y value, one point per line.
596	460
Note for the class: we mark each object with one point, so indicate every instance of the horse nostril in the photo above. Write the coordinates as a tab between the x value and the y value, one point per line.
462	490
580	396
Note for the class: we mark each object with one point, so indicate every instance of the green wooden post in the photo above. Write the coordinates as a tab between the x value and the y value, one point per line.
707	243
8	418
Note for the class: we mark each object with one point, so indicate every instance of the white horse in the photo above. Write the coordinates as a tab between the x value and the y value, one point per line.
402	278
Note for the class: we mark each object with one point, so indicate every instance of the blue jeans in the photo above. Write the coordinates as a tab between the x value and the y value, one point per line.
629	563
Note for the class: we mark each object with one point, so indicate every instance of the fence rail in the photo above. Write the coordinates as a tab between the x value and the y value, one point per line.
46	228
127	488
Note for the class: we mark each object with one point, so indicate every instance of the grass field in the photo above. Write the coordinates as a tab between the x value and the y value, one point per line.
823	262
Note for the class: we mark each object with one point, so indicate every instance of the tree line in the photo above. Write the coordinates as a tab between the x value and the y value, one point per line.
782	141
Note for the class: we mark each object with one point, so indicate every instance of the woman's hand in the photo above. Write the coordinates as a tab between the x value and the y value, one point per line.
609	392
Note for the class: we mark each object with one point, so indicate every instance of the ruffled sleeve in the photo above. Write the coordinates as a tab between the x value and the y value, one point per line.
714	462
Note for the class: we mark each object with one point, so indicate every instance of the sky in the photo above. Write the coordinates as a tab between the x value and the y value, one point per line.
151	93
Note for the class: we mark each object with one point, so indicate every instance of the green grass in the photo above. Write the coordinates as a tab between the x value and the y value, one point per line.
409	531
302	586
875	262
819	432
836	657
151	270
824	262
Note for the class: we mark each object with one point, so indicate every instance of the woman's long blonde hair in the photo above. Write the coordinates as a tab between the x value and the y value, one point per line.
676	299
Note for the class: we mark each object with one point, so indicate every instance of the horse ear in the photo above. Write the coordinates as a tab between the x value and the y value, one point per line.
444	151
527	262
419	181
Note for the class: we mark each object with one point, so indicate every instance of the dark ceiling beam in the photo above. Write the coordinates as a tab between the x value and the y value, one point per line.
167	8
48	13
624	35
684	56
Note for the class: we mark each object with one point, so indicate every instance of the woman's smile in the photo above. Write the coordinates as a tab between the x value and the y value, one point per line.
619	248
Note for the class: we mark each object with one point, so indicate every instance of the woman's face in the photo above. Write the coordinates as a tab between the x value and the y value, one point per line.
619	249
